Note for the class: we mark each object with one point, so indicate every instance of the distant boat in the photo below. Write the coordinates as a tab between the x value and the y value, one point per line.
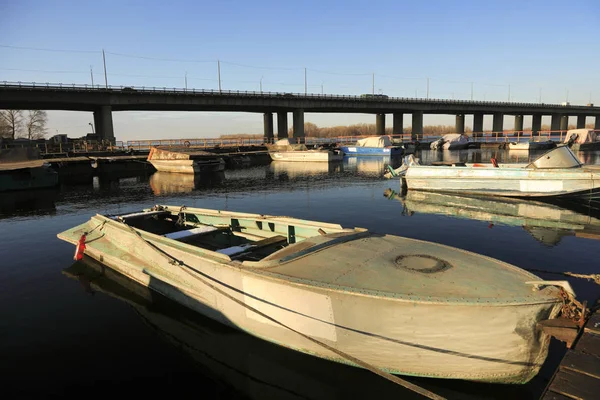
556	173
26	175
451	141
184	160
529	145
582	139
373	146
283	150
402	305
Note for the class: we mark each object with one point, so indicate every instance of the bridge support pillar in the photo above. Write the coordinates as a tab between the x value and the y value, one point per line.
555	123
268	127
417	125
104	124
518	123
282	125
564	122
498	123
398	127
580	121
380	124
536	123
477	123
597	123
299	125
459	126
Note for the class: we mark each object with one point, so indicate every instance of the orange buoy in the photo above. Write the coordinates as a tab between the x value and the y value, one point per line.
80	248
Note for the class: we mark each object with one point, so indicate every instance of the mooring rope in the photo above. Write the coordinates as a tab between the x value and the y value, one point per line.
589	277
364	364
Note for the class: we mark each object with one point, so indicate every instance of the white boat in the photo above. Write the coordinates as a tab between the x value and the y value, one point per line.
400	305
557	172
283	150
582	139
450	141
184	160
529	145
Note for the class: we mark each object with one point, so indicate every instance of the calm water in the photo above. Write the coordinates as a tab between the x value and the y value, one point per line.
95	336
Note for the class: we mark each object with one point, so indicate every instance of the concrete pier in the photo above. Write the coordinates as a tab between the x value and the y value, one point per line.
478	122
555	123
298	122
459	126
104	123
282	125
518	123
417	125
536	123
564	123
581	121
498	122
398	124
380	124
268	127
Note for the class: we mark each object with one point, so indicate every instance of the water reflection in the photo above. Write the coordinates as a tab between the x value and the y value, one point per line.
168	183
255	368
301	169
503	156
546	222
26	202
373	166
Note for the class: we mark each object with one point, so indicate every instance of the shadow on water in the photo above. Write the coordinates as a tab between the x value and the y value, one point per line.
256	369
28	202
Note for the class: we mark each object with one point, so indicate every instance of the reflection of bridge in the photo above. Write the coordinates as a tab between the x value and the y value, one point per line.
103	100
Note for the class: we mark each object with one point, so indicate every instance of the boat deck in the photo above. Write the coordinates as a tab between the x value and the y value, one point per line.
578	375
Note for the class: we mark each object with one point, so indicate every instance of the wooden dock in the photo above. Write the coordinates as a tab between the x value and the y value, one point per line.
578	375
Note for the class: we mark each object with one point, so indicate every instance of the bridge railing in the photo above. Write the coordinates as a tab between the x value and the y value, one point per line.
266	94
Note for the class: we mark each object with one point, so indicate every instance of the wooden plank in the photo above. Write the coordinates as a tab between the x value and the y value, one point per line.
573	384
555	396
582	362
593	324
589	343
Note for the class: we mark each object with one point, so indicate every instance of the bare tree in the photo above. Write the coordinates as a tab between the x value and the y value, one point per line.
12	121
35	125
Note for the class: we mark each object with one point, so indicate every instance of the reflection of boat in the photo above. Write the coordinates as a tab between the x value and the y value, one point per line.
402	305
252	367
23	202
296	169
282	150
582	139
557	172
168	182
184	160
367	165
373	146
546	222
451	141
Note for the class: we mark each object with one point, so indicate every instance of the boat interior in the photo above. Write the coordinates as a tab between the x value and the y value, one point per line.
243	237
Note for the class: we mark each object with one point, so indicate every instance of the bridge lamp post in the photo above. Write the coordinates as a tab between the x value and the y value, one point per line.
261	78
185	80
92	125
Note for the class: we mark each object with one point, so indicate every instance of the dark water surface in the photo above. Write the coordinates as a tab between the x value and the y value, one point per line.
63	334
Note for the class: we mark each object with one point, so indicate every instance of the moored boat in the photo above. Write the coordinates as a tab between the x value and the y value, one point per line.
450	141
35	174
582	139
556	173
529	145
184	160
401	305
373	146
283	150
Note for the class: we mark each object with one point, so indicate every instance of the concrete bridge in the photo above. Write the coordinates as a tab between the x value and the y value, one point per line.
102	101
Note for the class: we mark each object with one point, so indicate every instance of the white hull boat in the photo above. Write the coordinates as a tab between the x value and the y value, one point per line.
527	146
556	173
451	141
400	305
184	160
307	156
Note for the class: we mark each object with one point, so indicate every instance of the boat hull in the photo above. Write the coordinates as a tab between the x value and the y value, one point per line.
511	182
410	337
306	156
188	166
27	178
371	151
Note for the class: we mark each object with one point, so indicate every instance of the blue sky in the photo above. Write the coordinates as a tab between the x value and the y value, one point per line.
530	46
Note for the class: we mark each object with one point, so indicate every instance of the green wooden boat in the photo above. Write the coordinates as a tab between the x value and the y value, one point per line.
401	305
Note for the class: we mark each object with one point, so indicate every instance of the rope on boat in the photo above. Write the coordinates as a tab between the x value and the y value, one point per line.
386	375
589	277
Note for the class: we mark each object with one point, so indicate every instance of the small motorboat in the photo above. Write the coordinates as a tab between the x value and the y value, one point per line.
529	145
582	139
373	146
400	305
556	173
184	160
451	141
283	150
